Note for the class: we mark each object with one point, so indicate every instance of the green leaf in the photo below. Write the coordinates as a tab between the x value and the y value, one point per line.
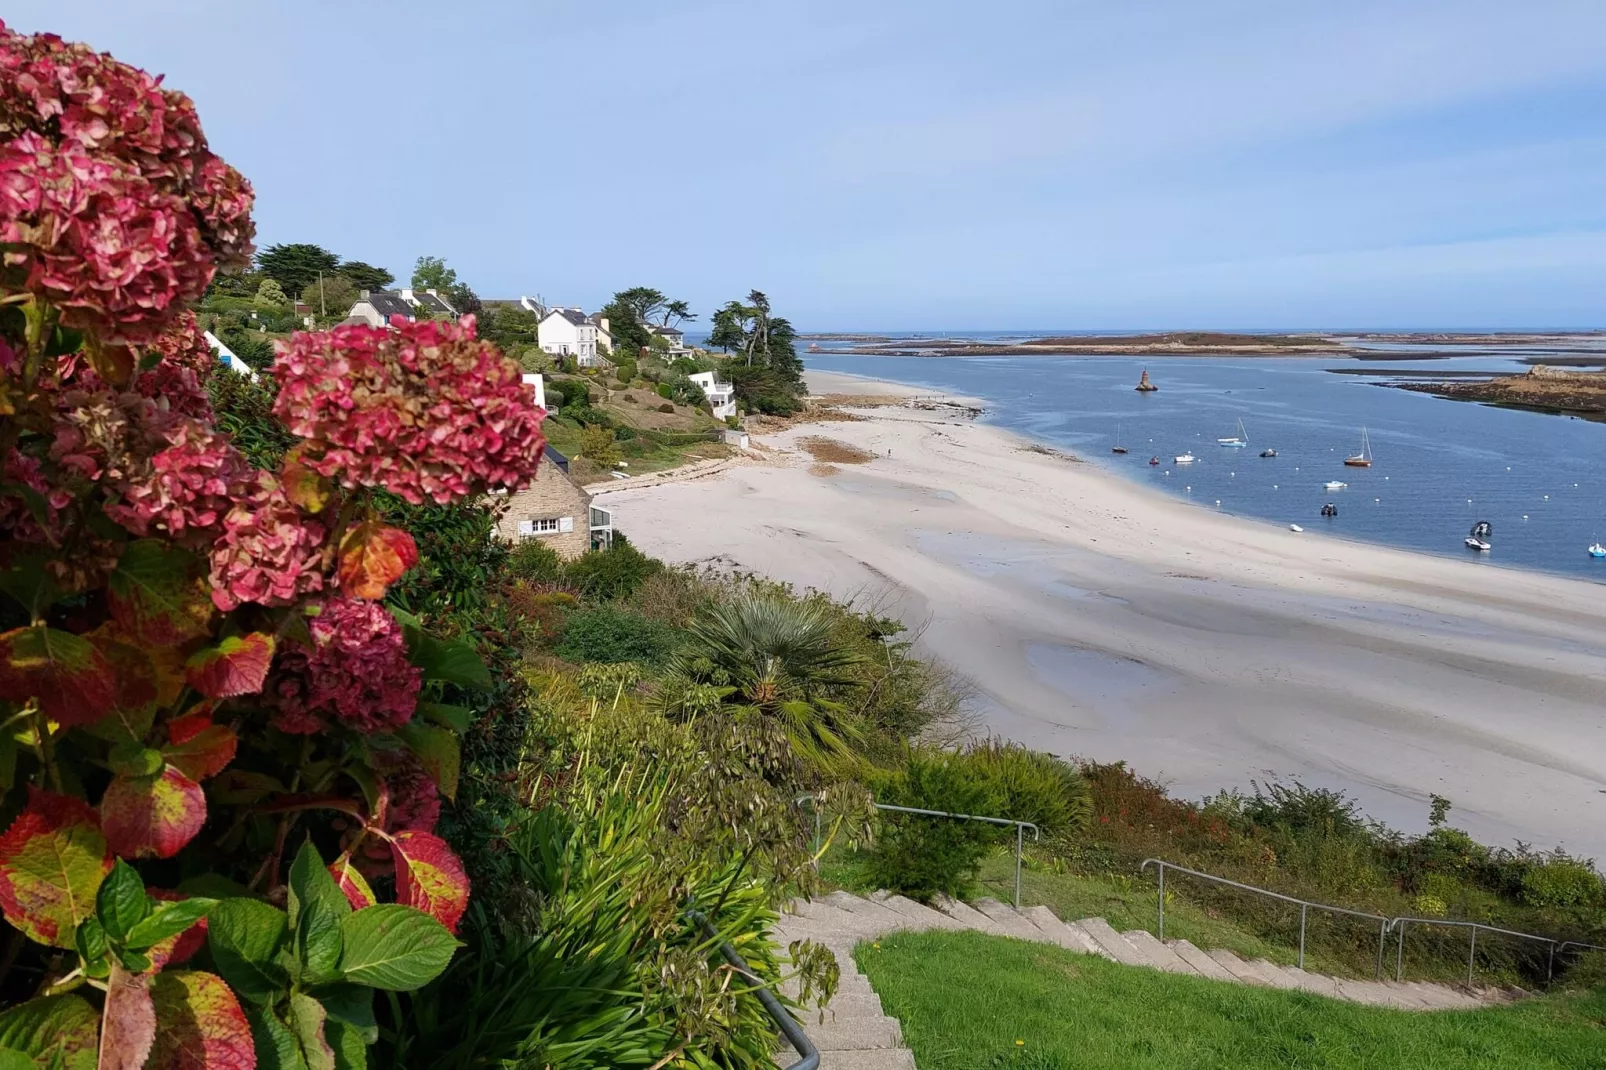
276	1045
121	904
245	937
169	919
394	947
319	942
352	1005
159	593
15	1060
91	940
310	882
134	760
458	718
134	961
438	751
29	582
350	1049
451	661
58	1031
306	1021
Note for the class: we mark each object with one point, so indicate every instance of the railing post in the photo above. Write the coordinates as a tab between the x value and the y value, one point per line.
1162	901
816	809
1302	909
1020	842
1399	957
1550	966
1472	952
1382	938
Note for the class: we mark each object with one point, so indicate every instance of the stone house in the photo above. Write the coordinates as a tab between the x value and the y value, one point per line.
556	510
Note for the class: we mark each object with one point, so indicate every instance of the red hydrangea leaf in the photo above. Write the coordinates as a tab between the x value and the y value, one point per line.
128	1022
152	816
66	673
194	721
306	488
430	877
52	861
200	1025
138	696
352	883
204	754
236	666
159	594
438	751
176	950
372	557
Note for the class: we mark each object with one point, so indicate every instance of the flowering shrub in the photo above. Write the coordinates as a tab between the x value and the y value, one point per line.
199	679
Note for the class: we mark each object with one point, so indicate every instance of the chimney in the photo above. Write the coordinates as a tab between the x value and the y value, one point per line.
432	292
362	295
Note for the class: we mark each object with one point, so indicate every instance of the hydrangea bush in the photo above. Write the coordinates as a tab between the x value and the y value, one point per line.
219	749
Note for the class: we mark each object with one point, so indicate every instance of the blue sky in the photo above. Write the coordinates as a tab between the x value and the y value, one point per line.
927	164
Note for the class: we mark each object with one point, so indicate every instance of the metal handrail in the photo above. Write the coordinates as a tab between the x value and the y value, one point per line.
1472	943
1304	905
1020	828
809	1055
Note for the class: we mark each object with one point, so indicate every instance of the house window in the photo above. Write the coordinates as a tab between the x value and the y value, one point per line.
552	525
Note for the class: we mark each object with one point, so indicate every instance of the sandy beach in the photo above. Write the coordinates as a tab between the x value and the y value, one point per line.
1099	618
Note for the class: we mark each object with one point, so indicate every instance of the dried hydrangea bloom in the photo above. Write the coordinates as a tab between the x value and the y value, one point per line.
423	410
269	553
355	673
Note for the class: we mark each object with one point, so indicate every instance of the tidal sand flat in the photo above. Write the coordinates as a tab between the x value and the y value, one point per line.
1100	618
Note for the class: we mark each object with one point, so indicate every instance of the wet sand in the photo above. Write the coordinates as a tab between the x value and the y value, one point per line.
1100	618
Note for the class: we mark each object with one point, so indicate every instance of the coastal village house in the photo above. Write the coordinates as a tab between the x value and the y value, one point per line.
604	335
376	307
721	396
565	332
554	508
674	336
533	304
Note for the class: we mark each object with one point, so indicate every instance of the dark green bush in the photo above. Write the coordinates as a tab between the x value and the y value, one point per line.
534	560
1561	882
604	575
921	856
613	635
664	391
1033	786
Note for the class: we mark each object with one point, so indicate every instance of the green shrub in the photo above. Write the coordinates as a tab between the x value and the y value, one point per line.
921	856
534	560
664	391
604	575
625	371
613	635
1561	882
1033	786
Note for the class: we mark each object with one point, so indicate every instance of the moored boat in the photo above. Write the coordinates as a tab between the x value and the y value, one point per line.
1185	458
1597	550
1478	537
1268	453
1333	484
1362	459
1238	441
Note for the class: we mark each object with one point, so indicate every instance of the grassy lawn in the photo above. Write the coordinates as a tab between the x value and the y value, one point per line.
967	1000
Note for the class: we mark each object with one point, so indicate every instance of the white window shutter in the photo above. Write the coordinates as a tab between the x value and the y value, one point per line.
526	527
566	523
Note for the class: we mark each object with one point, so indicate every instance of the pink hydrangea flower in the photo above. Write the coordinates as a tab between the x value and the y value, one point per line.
423	410
18	521
356	672
269	552
190	487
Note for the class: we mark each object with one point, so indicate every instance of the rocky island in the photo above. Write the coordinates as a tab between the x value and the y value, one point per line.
1543	387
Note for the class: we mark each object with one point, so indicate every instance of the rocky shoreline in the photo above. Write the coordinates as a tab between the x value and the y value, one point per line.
1542	389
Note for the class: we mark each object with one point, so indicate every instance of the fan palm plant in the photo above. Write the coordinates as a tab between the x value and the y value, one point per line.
772	656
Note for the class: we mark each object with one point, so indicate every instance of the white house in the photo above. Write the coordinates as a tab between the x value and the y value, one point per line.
674	336
533	304
565	332
604	335
226	356
376	307
534	380
721	396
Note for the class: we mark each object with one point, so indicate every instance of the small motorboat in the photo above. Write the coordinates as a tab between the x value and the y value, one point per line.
1597	550
1333	484
1329	510
1295	527
1478	537
1186	458
1154	460
1268	453
1476	544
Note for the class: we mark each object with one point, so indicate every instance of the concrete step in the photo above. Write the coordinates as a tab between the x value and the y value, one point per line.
924	917
1273	973
867	1059
1066	936
968	916
1008	919
1318	983
1202	964
1158	954
1375	994
822	914
874	914
856	1034
1238	967
1114	944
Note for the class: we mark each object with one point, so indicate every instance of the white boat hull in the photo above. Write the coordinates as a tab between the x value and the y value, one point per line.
1186	458
1597	550
1334	485
1477	544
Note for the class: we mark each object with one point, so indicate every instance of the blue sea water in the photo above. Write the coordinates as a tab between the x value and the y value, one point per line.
1439	465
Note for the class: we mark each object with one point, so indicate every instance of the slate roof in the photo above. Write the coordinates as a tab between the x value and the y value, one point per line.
388	303
573	315
433	304
553	456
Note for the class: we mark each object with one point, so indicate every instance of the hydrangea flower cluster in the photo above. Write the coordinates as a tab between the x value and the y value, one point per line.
423	410
355	673
189	488
269	553
186	362
109	197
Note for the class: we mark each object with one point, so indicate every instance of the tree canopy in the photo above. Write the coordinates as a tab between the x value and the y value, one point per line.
432	273
771	378
366	276
333	295
295	265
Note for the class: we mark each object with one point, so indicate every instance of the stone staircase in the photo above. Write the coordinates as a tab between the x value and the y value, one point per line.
857	1034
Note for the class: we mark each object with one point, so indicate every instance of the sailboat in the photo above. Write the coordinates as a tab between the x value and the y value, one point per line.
1238	441
1117	448
1362	459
